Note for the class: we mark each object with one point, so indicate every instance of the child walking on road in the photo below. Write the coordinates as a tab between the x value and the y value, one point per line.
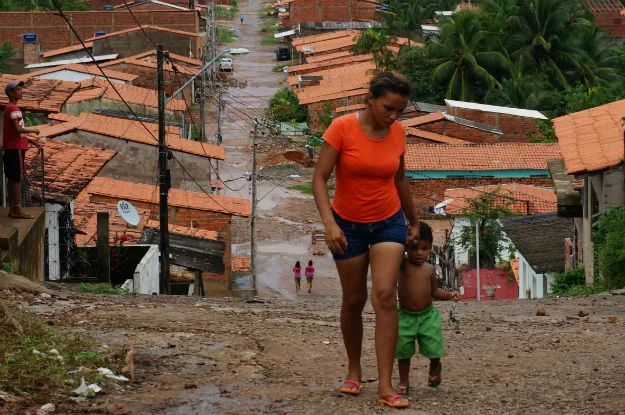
419	320
297	274
310	274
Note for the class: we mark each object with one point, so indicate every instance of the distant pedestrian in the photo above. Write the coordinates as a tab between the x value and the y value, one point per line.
14	146
310	274
297	274
241	17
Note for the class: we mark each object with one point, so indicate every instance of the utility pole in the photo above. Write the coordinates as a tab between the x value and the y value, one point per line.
477	256
218	137
164	178
254	203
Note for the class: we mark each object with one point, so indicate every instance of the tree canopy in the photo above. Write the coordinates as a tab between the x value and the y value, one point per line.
40	5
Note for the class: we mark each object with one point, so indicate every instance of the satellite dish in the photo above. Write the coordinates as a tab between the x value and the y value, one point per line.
128	212
443	203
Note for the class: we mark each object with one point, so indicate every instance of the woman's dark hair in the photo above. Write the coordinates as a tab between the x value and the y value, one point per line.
310	263
388	81
297	265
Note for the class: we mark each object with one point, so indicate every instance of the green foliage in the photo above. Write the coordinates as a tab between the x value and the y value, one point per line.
284	107
546	133
306	188
221	11
225	35
405	17
325	115
101	289
563	282
41	374
278	68
6	53
485	210
414	63
41	5
375	42
609	244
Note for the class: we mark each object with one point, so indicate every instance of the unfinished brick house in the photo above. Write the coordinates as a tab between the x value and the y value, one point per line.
432	169
311	11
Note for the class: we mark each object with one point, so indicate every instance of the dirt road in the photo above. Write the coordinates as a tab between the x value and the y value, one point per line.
279	356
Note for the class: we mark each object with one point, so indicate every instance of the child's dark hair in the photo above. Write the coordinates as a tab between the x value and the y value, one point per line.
425	232
310	263
297	265
388	81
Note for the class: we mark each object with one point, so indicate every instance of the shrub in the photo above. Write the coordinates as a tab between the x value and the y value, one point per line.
566	280
609	244
284	107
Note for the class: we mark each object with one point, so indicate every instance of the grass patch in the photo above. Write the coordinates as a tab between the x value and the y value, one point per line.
269	40
572	283
278	68
40	375
225	35
306	188
101	288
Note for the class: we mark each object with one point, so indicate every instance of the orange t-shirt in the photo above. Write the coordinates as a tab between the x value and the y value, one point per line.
365	170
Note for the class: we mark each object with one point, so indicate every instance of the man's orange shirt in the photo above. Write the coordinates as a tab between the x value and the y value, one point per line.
365	170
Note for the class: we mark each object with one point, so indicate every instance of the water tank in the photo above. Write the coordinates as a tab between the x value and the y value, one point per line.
30	37
100	33
109	7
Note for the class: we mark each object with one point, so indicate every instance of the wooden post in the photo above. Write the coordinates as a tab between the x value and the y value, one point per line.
103	248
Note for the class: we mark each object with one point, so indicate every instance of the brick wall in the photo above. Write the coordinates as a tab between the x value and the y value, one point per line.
133	43
429	192
99	4
305	11
460	131
613	24
54	34
514	128
317	108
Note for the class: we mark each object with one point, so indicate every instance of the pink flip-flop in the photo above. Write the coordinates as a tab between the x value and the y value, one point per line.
351	391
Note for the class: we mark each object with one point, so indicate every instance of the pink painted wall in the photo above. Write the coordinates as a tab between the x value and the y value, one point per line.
504	289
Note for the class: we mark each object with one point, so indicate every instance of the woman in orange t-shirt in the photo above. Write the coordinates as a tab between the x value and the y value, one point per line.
365	224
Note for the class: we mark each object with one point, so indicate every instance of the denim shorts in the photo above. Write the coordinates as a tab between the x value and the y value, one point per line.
360	236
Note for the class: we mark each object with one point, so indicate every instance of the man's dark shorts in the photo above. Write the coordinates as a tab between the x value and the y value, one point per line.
14	164
360	236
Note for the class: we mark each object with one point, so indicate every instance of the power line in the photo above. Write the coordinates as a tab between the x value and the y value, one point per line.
69	24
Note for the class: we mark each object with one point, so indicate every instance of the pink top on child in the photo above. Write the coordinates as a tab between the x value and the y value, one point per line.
310	270
297	271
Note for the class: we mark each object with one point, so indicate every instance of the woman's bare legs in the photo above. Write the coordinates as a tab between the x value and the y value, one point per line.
353	275
386	259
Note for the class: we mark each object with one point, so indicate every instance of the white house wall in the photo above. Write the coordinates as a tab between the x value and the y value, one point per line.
461	255
146	276
537	284
54	252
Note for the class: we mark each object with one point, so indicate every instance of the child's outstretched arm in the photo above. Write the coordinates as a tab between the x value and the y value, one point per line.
439	293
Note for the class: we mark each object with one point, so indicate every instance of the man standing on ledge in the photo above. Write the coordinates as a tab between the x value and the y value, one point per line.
14	146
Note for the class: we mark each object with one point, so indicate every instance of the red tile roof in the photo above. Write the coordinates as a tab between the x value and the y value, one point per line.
339	82
480	157
87	69
145	27
98	88
439	138
304	40
130	130
177	197
350	108
184	230
68	167
424	119
345	60
328	56
333	95
592	140
86	220
519	198
40	95
338	77
69	49
184	65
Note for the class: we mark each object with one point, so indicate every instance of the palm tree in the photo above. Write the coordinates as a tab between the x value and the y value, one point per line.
466	65
548	37
602	65
374	42
405	17
6	53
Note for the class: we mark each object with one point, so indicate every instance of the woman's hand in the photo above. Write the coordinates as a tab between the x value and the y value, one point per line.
413	235
335	239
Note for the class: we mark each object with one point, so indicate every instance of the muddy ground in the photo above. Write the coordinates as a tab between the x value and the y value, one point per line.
280	356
